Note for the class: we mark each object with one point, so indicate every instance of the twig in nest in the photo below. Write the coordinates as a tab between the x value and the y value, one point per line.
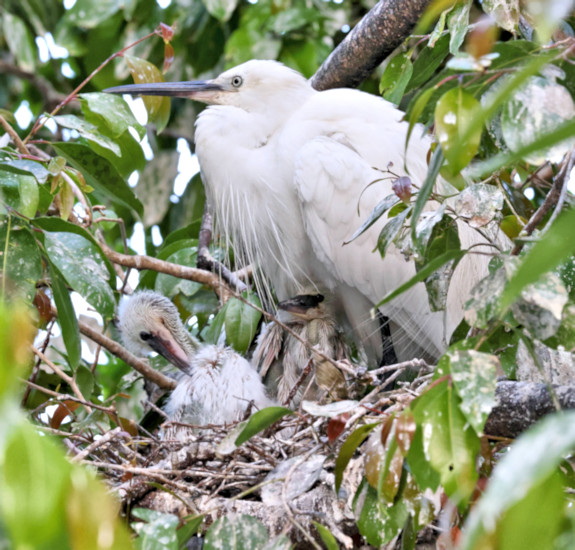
104	440
299	382
207	262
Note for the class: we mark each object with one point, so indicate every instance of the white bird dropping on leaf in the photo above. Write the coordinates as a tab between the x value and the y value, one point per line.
219	385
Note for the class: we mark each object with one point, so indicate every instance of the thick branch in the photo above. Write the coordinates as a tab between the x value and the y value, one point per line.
521	404
382	30
140	262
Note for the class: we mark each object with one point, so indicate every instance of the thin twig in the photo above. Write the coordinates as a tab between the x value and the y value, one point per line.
68	379
104	440
20	145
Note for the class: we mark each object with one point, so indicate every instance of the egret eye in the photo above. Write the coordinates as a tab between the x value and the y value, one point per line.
237	81
145	336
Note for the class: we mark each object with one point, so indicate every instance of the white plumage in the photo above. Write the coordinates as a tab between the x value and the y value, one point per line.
287	170
219	386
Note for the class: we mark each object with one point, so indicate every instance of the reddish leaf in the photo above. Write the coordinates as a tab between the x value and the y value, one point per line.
128	426
168	57
402	188
336	425
42	304
481	39
405	431
64	409
386	428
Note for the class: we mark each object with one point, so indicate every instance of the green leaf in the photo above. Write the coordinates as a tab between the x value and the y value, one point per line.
240	532
88	131
327	538
427	62
81	264
188	530
66	317
448	440
426	188
88	15
348	448
169	285
261	420
390	230
241	322
34	480
521	476
556	245
158	532
21	263
36	169
416	112
221	9
423	274
396	77
110	111
20	41
454	113
100	174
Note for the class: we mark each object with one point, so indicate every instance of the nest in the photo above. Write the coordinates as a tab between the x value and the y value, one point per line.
283	476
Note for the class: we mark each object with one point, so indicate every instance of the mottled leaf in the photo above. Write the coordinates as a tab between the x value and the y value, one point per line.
157	531
457	23
540	307
88	15
20	261
479	204
504	12
483	304
236	532
539	107
474	376
88	131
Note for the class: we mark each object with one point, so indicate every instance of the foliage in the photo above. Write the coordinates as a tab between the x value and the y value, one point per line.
84	176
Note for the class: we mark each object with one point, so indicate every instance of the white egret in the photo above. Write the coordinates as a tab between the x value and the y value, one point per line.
282	359
219	386
287	170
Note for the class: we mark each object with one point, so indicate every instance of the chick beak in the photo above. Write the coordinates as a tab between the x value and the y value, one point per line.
163	342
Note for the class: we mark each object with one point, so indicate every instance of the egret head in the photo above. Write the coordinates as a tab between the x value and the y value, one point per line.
248	86
149	322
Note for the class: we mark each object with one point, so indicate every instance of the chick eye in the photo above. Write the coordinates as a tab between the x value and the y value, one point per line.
237	81
145	336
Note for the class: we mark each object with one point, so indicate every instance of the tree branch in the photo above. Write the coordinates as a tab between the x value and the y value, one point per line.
382	30
521	404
